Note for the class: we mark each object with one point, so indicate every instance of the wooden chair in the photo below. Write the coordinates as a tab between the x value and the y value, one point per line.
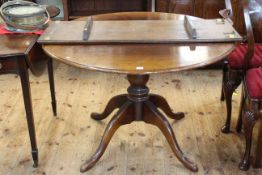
235	63
252	94
251	113
251	101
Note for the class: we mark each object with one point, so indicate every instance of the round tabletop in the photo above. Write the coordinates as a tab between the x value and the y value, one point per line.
139	58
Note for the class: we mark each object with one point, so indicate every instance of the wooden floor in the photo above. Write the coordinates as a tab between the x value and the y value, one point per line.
66	141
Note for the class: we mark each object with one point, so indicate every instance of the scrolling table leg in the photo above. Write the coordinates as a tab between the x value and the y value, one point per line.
138	105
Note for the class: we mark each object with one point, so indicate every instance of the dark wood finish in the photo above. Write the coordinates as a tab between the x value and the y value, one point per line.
138	61
16	44
136	31
232	78
77	8
199	8
149	5
66	9
176	6
138	105
239	22
8	65
258	157
250	109
210	9
18	53
52	85
36	59
23	73
139	58
251	113
230	81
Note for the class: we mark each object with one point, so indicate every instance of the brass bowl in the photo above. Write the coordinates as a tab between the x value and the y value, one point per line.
24	15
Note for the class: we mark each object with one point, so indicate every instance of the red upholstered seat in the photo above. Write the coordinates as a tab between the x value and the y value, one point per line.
254	82
236	58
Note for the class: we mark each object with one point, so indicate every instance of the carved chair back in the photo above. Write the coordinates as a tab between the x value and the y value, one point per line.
250	24
255	11
249	34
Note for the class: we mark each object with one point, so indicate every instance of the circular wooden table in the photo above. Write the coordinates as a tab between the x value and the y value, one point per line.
138	61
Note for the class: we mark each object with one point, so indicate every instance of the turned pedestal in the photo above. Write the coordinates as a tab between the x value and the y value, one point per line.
138	105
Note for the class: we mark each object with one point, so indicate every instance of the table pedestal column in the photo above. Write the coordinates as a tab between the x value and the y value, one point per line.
138	105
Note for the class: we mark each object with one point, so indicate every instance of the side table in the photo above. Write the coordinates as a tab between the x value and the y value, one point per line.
18	53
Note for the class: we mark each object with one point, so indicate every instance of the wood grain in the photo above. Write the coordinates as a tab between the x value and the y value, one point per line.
77	8
72	136
139	58
16	44
139	31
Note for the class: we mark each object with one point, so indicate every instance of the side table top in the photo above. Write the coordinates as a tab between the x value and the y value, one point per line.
139	58
11	45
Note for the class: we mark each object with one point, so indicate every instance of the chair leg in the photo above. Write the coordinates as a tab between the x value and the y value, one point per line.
52	85
249	121
239	121
224	71
228	96
222	96
232	80
259	147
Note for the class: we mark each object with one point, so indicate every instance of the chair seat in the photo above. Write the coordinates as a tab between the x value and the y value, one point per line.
254	83
236	58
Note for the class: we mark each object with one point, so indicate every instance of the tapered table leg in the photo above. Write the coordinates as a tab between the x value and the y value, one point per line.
138	105
23	72
52	85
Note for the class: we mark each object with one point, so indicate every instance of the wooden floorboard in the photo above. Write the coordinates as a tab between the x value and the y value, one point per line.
65	141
